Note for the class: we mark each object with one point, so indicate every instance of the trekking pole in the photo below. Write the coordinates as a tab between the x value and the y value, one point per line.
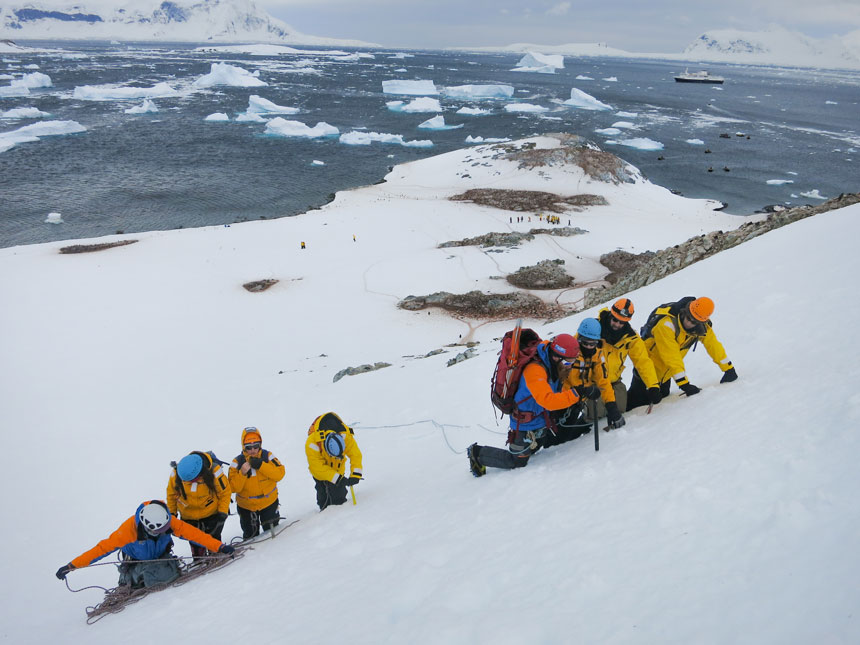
352	492
594	421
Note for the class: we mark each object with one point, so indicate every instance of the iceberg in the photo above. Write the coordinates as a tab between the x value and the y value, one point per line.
33	81
10	91
113	93
366	138
583	77
583	101
640	143
229	75
409	87
438	123
259	105
143	108
317	162
525	107
695	142
217	117
609	132
34	131
23	113
611	79
471	139
539	63
470	111
284	128
624	124
779	182
627	115
54	218
813	194
479	91
250	117
423	104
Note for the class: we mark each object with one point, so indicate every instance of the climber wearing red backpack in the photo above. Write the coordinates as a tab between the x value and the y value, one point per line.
537	394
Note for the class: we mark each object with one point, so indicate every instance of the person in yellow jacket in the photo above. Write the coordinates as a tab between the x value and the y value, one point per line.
671	331
588	374
619	342
329	444
199	493
254	477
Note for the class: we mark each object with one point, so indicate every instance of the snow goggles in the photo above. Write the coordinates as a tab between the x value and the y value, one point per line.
590	344
253	446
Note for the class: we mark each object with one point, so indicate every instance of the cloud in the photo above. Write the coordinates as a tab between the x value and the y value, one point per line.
559	10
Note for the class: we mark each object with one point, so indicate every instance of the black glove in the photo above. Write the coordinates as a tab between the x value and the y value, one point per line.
255	463
351	481
226	549
654	395
614	416
690	389
589	392
63	571
729	375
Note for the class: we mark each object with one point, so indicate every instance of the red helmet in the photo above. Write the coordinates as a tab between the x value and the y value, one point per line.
565	345
622	309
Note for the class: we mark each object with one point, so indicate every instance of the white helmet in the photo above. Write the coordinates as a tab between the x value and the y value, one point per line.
154	517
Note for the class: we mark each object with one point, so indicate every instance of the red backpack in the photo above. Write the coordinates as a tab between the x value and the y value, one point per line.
518	350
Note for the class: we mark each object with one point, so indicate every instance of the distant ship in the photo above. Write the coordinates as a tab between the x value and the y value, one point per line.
698	77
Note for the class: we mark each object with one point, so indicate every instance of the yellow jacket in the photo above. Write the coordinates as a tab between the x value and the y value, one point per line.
591	371
197	500
322	465
670	342
258	488
626	343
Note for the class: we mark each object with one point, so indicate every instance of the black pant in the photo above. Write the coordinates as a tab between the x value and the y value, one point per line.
328	493
637	393
524	445
250	521
211	525
571	424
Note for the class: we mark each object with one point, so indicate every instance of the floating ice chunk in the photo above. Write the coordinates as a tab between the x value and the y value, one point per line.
471	139
32	81
583	77
438	123
23	113
479	91
409	87
230	75
779	182
423	104
627	115
627	125
525	107
813	194
366	138
610	132
34	131
9	91
113	93
143	108
583	101
695	142
250	117
54	218
791	172
472	111
402	55
6	77
540	63
217	116
831	103
259	105
401	70
640	143
31	66
317	162
284	128
611	79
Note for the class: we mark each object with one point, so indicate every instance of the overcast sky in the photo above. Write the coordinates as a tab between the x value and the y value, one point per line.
634	25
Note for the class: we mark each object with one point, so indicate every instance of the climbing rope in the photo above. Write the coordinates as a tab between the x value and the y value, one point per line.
440	426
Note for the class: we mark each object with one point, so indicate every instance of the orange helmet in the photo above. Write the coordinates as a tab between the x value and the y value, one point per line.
622	309
701	309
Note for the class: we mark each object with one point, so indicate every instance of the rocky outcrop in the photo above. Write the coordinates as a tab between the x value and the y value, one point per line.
521	201
476	304
547	274
512	239
361	369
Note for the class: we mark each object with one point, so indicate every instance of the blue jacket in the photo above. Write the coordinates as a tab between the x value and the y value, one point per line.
538	392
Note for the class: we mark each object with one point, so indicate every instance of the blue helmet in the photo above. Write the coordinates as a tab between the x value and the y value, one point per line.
589	328
334	444
189	467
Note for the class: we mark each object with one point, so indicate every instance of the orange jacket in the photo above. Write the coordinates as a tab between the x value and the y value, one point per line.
127	533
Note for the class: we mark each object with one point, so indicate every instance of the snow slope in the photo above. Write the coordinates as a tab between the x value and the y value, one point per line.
728	517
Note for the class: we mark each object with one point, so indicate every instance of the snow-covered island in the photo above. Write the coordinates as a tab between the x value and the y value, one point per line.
710	520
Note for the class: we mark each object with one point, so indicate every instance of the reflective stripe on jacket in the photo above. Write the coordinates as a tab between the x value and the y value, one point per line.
199	501
322	465
258	488
591	371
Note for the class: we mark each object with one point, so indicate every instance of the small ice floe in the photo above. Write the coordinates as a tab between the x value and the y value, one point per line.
144	108
583	77
9	91
249	117
627	115
640	143
609	132
779	182
695	142
539	63
366	138
401	70
626	125
23	113
409	87
479	91
217	117
259	105
583	101
831	103
472	111
317	162
114	93
813	194
33	81
611	79
423	104
471	139
790	172
31	66
229	75
438	123
525	108
54	218
284	128
35	131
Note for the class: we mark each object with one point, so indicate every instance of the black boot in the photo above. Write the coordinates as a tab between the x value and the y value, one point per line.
474	465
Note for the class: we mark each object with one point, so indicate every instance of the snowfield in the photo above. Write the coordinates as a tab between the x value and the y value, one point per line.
728	517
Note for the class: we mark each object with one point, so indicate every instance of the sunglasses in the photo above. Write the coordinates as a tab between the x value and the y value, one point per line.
692	323
590	344
253	446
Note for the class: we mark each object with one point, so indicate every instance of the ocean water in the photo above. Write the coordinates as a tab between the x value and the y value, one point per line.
171	169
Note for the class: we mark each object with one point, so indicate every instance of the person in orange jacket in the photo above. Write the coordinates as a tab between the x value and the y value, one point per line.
254	477
199	492
330	442
145	540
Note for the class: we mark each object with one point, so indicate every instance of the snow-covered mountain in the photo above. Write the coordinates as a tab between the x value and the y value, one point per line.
151	20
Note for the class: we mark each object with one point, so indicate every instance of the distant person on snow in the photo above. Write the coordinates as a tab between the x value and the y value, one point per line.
671	331
254	477
329	444
619	342
588	374
538	393
198	489
146	543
